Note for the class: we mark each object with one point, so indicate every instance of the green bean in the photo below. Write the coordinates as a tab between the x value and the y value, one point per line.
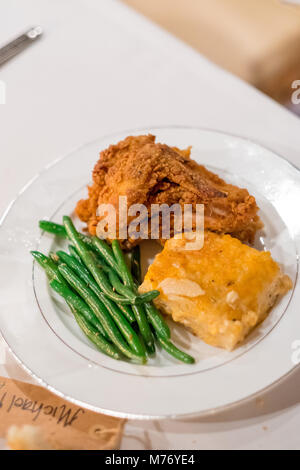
103	311
78	267
120	288
122	265
52	227
102	281
157	321
153	315
89	330
53	273
127	312
100	262
80	270
136	264
138	310
93	336
144	327
174	351
85	275
81	306
53	257
114	310
150	350
142	343
125	328
106	253
126	274
59	230
134	298
73	252
147	296
100	311
90	263
49	266
127	292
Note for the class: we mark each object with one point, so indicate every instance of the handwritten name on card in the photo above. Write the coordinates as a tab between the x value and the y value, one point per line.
63	425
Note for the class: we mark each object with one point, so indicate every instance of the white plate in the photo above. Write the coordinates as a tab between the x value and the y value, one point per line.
44	337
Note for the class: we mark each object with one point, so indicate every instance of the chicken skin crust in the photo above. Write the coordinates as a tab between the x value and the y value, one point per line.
153	173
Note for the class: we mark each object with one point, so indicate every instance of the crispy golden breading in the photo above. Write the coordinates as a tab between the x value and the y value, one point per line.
152	173
220	292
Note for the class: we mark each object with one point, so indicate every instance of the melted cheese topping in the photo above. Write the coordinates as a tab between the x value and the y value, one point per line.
183	287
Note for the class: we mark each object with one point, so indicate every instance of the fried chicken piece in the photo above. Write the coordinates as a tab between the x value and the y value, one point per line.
153	173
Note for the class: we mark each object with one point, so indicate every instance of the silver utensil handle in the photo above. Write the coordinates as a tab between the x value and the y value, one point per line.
19	44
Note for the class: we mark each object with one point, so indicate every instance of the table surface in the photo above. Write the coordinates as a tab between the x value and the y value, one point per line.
101	68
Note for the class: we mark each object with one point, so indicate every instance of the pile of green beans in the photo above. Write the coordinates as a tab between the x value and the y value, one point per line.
102	293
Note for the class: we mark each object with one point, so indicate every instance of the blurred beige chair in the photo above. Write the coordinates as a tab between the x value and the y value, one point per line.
258	40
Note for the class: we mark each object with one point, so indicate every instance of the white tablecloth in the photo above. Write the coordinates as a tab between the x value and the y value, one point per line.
101	68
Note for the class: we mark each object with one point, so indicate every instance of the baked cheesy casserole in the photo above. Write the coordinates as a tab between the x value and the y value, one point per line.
220	292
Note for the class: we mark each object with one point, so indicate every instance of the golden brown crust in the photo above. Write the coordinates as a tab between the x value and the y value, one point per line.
152	173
